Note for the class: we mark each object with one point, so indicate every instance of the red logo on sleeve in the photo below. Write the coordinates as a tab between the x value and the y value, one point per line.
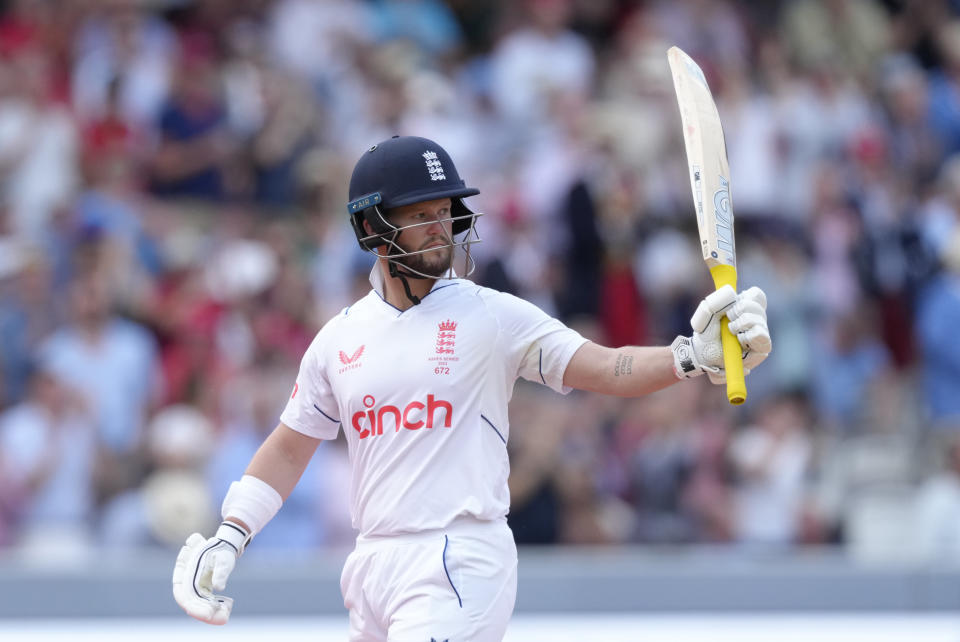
356	355
296	387
351	362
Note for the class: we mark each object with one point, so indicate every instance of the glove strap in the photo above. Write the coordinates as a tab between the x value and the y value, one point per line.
235	535
684	360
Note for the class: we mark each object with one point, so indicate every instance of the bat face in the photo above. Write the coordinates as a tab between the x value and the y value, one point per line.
707	160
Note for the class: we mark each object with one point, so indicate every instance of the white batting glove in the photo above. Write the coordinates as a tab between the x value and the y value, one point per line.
202	567
703	352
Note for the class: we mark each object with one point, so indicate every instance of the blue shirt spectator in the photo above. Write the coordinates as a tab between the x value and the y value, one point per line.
938	317
47	453
428	23
845	366
112	362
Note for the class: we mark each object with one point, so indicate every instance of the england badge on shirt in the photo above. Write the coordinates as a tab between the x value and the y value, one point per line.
445	349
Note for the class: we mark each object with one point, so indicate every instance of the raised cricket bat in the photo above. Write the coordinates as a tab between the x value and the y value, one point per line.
710	182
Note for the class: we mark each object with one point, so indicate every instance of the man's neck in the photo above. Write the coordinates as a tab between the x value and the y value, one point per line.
394	292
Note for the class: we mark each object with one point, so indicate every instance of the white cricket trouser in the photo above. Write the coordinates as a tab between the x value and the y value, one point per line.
457	584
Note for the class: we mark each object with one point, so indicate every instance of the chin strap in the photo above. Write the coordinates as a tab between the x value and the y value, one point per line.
403	276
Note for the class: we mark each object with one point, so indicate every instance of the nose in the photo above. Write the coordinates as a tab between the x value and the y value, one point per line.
436	222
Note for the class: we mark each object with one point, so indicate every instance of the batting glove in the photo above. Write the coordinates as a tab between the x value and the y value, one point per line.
202	567
703	352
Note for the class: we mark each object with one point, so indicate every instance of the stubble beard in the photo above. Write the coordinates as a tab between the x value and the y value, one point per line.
435	263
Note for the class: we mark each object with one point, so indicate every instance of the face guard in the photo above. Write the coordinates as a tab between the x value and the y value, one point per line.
463	235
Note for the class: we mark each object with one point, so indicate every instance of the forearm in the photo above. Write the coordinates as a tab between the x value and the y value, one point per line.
279	463
630	371
634	371
282	458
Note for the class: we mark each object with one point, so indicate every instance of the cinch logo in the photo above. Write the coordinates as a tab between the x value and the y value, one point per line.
414	416
353	361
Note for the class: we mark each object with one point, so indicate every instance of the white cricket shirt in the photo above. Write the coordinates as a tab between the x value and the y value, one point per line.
421	396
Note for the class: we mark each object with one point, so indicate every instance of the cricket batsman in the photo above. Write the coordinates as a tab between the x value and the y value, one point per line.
417	375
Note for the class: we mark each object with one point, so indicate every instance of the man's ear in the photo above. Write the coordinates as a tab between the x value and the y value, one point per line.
368	230
387	215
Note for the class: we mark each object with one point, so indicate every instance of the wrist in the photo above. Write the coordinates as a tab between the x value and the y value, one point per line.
684	358
251	502
235	535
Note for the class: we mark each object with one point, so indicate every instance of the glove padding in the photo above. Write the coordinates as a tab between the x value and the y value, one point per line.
203	567
703	352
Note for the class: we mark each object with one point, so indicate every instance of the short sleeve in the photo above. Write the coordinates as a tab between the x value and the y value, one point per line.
312	408
540	345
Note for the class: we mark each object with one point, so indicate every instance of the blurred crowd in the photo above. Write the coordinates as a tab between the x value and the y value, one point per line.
173	233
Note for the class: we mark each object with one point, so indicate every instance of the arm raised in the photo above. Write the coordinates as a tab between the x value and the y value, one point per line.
635	371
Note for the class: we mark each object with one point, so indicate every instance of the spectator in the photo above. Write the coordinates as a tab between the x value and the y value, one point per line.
172	501
917	146
937	314
318	38
782	267
112	363
47	458
535	515
27	314
38	144
534	65
709	31
123	54
195	145
285	135
849	357
847	34
660	464
772	459
429	23
937	525
943	100
709	493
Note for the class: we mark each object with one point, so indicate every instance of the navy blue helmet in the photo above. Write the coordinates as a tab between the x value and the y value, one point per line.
400	171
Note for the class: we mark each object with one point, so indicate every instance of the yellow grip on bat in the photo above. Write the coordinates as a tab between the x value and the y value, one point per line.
732	352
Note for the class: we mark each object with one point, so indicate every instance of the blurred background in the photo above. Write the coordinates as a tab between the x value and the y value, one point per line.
173	233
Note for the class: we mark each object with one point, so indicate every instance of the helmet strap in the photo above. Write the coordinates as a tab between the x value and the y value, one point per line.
395	273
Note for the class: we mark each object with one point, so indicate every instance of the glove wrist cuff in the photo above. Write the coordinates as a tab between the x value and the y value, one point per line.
235	535
685	364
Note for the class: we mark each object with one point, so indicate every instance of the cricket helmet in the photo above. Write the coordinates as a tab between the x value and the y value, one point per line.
400	171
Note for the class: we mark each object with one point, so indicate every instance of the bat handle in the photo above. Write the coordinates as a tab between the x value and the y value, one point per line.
732	352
